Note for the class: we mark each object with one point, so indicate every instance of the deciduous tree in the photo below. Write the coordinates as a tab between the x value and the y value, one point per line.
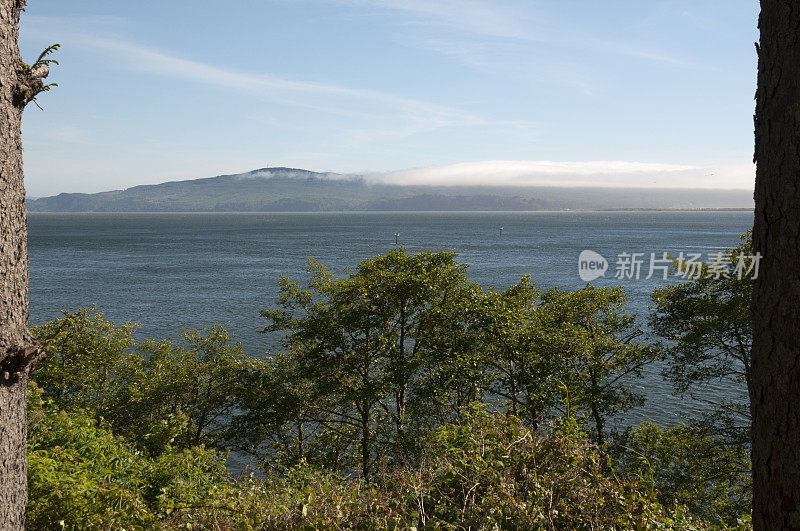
708	327
595	340
363	341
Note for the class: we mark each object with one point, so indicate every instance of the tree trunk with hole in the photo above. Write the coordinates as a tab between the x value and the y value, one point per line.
775	390
17	352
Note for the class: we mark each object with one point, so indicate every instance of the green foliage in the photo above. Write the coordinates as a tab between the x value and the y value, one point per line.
490	472
82	476
688	466
78	473
517	366
42	60
374	414
201	380
707	326
279	424
358	345
406	342
155	394
88	362
706	322
41	63
594	343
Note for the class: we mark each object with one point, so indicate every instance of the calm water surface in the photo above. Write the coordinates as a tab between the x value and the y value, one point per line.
175	271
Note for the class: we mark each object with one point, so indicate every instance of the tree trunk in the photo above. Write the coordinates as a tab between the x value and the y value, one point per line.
366	451
402	386
17	352
775	391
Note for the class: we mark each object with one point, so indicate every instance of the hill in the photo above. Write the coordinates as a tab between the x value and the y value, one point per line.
297	190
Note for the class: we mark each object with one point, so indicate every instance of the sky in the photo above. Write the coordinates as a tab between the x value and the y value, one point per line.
636	93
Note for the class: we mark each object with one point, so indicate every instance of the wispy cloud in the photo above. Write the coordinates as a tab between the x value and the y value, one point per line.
414	115
507	22
67	134
641	52
475	16
624	174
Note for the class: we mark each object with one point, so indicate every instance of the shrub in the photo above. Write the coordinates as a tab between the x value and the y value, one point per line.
82	476
688	465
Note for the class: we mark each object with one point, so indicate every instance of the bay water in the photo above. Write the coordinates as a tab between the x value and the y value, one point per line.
174	271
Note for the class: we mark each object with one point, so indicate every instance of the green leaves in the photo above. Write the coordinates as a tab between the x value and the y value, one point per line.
592	341
358	346
42	59
81	476
156	393
88	360
405	343
30	84
374	414
708	328
689	466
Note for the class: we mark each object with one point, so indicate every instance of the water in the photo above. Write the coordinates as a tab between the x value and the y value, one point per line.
175	271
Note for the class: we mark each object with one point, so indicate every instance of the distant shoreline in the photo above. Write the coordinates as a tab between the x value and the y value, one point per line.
573	210
292	190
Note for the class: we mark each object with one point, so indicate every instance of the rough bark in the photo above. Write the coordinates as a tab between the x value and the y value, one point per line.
17	352
775	390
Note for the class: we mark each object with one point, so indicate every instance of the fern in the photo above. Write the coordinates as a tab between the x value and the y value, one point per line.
41	61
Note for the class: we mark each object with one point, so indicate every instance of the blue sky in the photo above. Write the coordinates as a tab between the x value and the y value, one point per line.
625	93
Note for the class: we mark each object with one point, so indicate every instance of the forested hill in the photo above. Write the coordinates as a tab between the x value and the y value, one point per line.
296	190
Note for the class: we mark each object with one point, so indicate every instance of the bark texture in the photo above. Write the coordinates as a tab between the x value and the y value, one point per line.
17	352
775	390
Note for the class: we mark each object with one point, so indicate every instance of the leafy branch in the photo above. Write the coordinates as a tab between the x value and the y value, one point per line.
40	69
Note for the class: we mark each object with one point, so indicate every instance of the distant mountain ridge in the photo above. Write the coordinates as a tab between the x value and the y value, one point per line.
282	189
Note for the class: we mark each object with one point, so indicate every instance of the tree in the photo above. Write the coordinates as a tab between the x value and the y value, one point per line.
282	421
775	393
454	375
201	380
514	352
708	326
362	342
19	85
154	393
84	343
594	339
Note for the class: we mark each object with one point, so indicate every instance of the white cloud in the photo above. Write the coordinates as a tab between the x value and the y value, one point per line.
68	134
415	115
639	52
475	16
591	173
501	20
